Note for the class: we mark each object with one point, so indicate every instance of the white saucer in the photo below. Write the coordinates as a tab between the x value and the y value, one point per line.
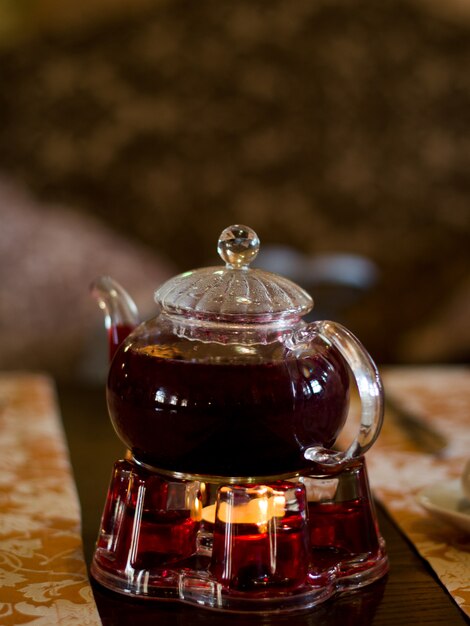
447	502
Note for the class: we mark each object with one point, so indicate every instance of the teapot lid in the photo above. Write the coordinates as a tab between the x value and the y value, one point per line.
236	292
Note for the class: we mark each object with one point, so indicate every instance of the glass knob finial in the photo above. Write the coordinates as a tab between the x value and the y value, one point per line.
238	246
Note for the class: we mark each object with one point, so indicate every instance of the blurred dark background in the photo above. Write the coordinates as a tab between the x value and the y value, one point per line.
132	133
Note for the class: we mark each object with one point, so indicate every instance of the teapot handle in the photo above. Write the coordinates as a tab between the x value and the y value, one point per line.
370	390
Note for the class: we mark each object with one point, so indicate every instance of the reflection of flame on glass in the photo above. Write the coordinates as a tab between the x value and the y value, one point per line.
196	510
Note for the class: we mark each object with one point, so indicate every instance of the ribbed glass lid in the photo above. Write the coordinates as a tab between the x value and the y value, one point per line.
234	292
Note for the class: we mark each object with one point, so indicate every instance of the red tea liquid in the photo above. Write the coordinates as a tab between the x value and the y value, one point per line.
138	527
227	418
256	561
341	531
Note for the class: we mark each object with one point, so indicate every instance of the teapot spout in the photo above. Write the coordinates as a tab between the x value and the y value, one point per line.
120	311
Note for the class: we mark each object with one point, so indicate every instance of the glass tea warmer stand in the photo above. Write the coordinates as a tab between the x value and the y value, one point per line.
231	496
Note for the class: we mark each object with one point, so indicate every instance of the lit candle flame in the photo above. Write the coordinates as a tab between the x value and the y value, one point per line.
257	511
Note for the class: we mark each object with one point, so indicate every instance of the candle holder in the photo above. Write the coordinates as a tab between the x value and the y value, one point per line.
282	546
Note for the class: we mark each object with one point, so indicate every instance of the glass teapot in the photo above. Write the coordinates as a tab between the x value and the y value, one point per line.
228	379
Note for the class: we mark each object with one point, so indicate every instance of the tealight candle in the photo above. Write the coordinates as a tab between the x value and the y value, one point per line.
258	511
260	536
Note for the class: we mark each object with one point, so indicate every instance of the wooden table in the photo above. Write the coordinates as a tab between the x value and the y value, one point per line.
410	594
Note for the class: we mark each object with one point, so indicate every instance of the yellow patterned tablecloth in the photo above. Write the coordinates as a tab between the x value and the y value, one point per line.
398	470
43	579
